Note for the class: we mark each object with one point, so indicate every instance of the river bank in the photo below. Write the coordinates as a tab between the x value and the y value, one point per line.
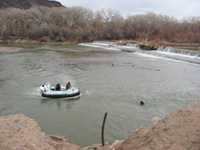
4	50
154	43
178	130
142	45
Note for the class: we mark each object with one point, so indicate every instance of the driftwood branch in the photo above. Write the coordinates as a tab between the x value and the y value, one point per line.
102	130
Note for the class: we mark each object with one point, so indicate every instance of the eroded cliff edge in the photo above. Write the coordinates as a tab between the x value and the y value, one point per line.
178	130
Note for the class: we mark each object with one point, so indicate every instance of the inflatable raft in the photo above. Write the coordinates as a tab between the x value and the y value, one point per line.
48	90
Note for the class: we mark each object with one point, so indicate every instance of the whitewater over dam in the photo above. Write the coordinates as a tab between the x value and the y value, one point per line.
175	54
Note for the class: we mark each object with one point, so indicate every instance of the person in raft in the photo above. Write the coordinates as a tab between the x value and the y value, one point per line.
68	85
58	87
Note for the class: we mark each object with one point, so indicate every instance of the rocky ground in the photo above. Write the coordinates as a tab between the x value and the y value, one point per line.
180	130
24	4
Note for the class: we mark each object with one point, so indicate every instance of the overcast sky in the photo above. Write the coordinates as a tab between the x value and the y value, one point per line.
177	8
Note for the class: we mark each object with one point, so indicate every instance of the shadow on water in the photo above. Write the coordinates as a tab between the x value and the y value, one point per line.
68	103
5	108
3	81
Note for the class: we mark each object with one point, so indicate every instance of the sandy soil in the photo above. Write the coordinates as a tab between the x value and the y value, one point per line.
4	50
19	132
180	130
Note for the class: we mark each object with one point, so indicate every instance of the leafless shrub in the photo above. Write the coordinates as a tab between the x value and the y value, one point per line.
81	24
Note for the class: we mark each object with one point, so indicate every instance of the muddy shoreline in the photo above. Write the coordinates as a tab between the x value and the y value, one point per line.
4	50
154	43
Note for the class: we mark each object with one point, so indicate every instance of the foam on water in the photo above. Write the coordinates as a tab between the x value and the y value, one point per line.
88	44
177	54
102	44
172	54
108	46
147	55
99	45
111	48
150	55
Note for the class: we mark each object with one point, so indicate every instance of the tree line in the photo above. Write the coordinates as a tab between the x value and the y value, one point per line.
80	24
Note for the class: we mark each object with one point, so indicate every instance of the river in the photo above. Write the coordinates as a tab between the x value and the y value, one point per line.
110	81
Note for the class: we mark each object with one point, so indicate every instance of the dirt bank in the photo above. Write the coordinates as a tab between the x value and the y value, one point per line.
180	130
19	132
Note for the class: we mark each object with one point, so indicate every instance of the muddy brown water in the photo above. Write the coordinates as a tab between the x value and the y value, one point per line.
110	81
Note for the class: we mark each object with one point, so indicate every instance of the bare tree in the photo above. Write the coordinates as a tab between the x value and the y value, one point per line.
1	32
81	24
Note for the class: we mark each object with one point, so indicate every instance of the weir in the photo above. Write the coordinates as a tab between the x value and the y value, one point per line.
180	51
176	54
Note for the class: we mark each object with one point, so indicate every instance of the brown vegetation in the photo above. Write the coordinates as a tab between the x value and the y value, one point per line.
80	24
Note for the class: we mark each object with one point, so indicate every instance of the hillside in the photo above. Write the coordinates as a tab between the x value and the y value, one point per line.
26	4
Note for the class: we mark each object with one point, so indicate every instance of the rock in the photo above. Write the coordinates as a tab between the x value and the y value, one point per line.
155	120
92	147
147	47
24	4
116	144
128	50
